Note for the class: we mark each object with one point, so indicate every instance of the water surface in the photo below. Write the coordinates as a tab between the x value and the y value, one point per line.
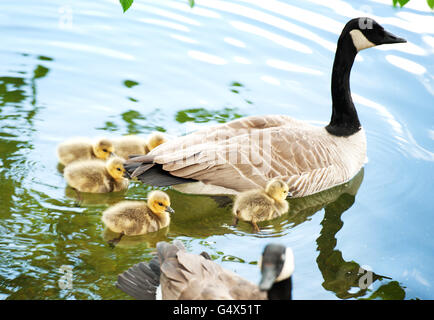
84	69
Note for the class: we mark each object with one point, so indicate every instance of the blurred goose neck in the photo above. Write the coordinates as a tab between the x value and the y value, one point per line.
281	290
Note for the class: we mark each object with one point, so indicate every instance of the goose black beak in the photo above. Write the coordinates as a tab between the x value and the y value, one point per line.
170	210
391	38
269	275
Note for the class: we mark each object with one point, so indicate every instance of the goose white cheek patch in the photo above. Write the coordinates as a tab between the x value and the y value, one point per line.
360	41
288	266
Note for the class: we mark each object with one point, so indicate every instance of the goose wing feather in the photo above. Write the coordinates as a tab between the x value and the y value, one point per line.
196	278
185	276
140	281
246	153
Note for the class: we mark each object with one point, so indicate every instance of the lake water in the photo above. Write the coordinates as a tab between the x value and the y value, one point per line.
83	68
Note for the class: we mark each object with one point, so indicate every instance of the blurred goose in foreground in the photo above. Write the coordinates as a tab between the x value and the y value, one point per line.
261	204
245	153
134	218
178	275
97	176
77	149
136	145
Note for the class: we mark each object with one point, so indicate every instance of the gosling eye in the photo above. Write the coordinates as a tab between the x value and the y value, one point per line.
119	169
105	150
160	204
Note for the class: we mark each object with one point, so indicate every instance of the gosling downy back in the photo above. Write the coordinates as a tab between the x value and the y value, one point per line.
154	140
130	145
78	149
138	217
261	205
245	153
96	176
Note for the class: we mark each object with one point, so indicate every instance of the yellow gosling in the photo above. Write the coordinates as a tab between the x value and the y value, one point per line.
97	176
155	139
136	145
133	218
77	149
261	205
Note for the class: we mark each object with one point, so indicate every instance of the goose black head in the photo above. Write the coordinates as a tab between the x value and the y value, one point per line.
366	33
277	264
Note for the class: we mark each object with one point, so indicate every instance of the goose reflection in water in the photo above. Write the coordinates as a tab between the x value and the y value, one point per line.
347	279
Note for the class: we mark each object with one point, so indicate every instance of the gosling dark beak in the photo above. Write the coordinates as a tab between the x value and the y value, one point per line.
289	195
112	154
127	175
391	38
269	275
170	210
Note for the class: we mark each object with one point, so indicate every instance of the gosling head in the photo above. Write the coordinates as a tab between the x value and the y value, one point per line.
155	139
115	168
366	33
277	189
277	264
159	202
103	149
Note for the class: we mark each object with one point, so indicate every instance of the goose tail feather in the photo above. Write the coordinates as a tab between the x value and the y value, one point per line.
145	170
141	280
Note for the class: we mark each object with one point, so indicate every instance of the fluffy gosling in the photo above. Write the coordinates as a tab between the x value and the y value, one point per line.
77	149
97	176
154	140
135	145
133	218
261	205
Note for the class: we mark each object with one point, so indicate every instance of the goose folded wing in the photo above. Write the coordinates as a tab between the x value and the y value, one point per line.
194	277
246	153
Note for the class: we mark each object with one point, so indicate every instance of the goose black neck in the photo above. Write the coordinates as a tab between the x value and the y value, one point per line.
344	120
281	290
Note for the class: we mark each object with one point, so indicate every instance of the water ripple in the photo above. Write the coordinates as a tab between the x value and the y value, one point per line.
206	57
280	40
165	23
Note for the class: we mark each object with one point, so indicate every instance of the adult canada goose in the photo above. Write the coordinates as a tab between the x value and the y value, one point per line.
136	145
77	149
261	204
180	275
134	218
97	176
244	154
